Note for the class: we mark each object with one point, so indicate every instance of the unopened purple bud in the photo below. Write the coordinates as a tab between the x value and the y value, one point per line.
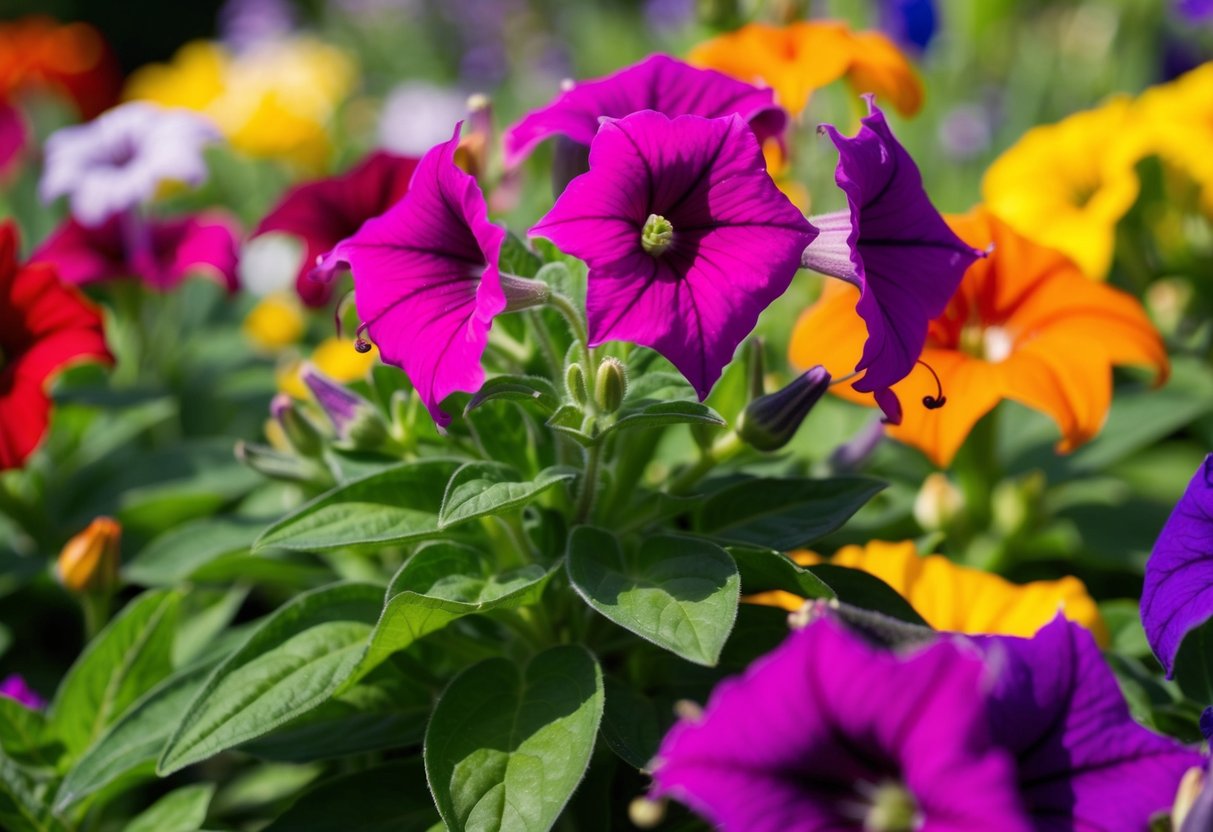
355	420
769	422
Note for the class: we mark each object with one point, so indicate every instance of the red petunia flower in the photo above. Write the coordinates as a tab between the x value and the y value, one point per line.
45	325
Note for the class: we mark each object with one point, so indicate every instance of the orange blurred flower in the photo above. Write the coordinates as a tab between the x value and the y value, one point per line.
1025	325
72	60
89	561
801	57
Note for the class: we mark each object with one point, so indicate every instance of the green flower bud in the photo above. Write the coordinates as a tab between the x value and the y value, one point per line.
574	384
769	422
938	503
611	385
300	431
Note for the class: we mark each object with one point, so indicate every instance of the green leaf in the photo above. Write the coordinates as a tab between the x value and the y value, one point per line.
567	420
23	804
783	514
764	570
507	746
398	505
865	590
630	725
483	488
290	664
531	390
388	798
678	592
26	736
661	414
122	663
517	259
442	582
135	741
183	810
173	557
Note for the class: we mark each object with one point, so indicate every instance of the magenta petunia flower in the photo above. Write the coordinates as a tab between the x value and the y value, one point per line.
1083	762
13	135
894	247
426	283
165	253
1178	593
325	212
686	237
14	687
830	733
659	83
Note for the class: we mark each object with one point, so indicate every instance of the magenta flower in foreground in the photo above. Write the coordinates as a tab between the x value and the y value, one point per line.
425	279
686	237
1178	593
659	83
15	688
325	212
167	251
894	247
830	733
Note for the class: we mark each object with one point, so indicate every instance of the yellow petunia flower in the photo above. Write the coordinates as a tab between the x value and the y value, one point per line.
796	59
336	358
1177	125
276	100
277	321
1066	185
959	598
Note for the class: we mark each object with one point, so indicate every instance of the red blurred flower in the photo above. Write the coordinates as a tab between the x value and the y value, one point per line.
44	326
72	60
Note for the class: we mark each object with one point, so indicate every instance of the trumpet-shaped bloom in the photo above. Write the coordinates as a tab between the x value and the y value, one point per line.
796	59
827	732
425	279
44	326
959	598
325	212
1066	185
1178	593
168	251
894	246
1025	325
118	161
686	237
659	83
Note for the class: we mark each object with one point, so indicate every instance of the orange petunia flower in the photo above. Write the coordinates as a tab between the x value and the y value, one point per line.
801	57
1025	325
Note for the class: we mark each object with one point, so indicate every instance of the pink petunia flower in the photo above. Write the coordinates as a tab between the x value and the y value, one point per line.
686	236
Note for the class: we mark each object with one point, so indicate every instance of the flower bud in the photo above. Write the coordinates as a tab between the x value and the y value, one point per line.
611	385
938	502
89	561
357	423
769	422
574	384
1016	503
645	813
1193	809
299	430
278	466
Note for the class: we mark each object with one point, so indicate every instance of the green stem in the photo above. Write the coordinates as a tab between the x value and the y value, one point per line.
589	484
724	449
96	607
569	311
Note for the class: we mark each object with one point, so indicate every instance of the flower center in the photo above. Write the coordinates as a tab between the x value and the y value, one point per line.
892	809
989	343
657	235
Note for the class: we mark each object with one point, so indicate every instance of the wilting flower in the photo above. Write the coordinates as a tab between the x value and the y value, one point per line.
425	279
686	237
1025	325
44	326
118	161
164	253
894	247
1066	185
275	99
958	598
1178	593
89	561
659	83
828	732
14	687
325	212
796	59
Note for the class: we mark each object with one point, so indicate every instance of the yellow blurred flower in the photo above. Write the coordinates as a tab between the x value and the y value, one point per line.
336	358
801	57
1176	121
959	598
1066	185
277	321
276	100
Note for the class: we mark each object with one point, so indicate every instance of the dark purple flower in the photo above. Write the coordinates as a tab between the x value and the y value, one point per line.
828	733
1196	11
425	279
1083	762
659	83
324	212
894	246
161	253
15	688
911	23
686	237
1178	593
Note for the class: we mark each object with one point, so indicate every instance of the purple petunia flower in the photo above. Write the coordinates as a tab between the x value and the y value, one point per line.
169	250
1178	593
894	246
1195	11
425	279
659	83
686	237
911	23
327	211
830	733
117	161
15	688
